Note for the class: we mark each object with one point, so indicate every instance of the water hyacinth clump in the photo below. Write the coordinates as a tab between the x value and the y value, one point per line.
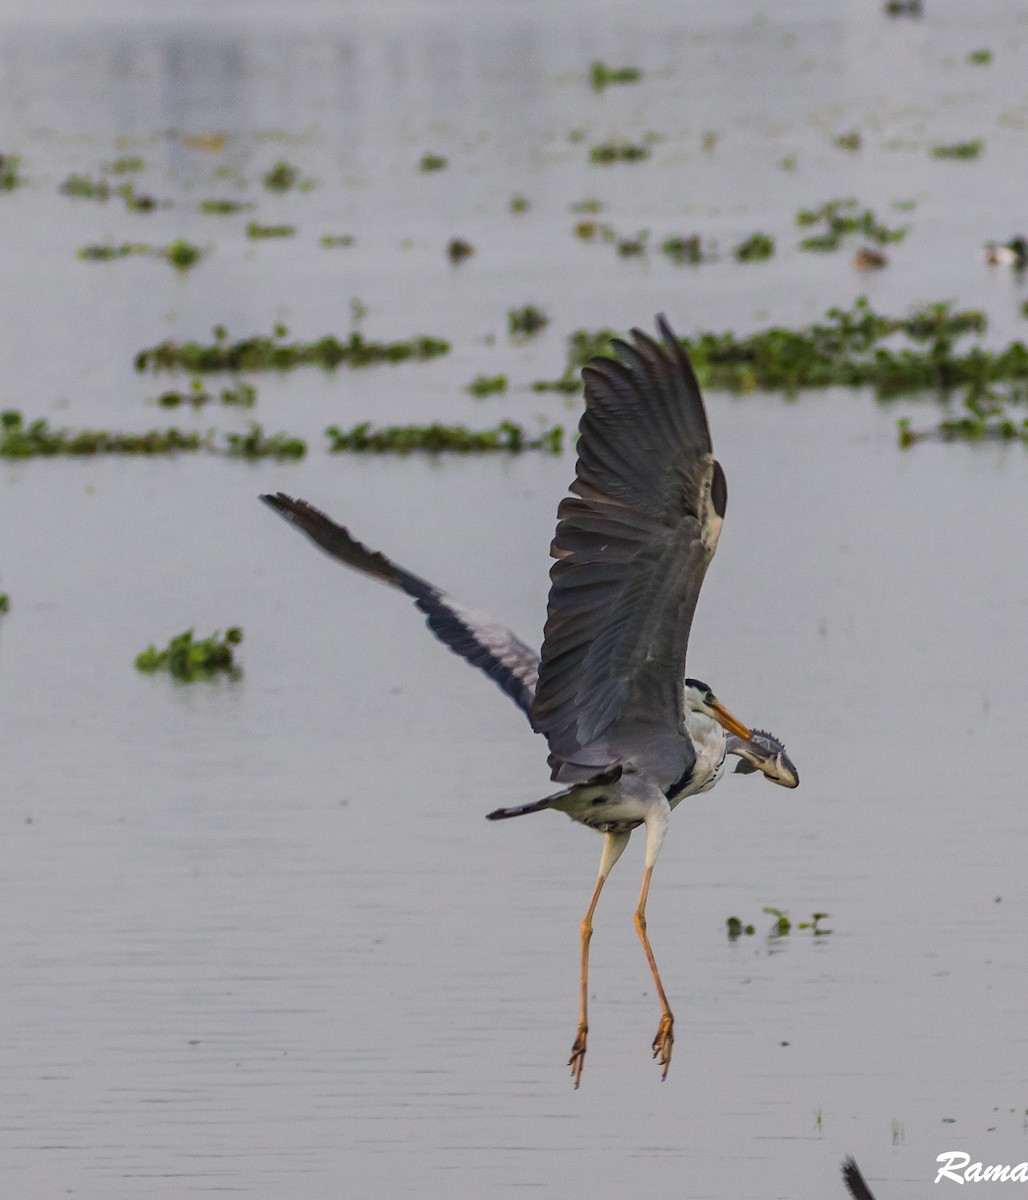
36	439
437	438
187	659
274	353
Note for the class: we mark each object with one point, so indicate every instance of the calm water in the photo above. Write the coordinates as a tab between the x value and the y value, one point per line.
257	937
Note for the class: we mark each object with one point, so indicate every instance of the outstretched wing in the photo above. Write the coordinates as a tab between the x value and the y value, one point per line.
481	642
632	548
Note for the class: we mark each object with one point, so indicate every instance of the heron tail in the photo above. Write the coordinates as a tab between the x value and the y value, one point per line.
519	810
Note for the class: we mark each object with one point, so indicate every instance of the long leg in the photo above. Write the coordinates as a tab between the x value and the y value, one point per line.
656	827
613	847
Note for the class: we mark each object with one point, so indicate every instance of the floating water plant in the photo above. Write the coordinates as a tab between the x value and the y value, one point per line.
188	660
273	353
840	219
846	349
281	177
5	602
606	153
986	418
487	385
458	250
755	248
980	58
965	150
851	141
135	201
242	395
9	177
684	249
224	208
109	252
436	438
332	240
601	76
736	929
256	231
125	165
254	444
85	188
182	255
632	247
432	162
518	203
526	322
36	439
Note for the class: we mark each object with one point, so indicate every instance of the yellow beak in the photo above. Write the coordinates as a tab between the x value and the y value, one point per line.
729	722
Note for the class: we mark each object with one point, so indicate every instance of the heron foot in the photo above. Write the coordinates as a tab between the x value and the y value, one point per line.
577	1059
663	1042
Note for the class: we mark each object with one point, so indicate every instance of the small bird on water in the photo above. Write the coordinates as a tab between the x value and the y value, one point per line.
630	736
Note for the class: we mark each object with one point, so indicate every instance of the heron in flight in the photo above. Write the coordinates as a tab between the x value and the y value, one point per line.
630	736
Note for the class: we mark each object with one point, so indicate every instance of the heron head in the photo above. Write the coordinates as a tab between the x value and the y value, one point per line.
763	752
699	697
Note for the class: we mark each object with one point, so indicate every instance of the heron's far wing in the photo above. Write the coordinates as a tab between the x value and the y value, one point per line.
483	643
632	547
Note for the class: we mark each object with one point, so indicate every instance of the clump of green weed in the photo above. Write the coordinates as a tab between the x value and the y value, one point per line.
601	76
188	660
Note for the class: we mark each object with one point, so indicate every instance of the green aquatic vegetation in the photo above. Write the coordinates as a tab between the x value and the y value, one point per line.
965	150
188	660
851	141
86	188
980	58
281	178
9	177
601	76
986	418
242	395
487	385
432	162
255	444
458	250
756	248
108	253
5	602
840	219
125	165
632	247
526	322
36	439
685	249
262	353
182	255
224	208
589	205
846	349
814	924
736	929
135	201
436	438
782	924
331	241
256	231
606	153
518	203
590	231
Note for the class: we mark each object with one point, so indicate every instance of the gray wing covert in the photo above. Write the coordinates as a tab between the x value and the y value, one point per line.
632	548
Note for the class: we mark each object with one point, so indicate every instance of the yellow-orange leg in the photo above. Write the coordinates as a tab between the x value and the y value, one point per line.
613	847
665	1038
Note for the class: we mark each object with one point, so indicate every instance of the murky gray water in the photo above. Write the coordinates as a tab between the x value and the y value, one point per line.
256	936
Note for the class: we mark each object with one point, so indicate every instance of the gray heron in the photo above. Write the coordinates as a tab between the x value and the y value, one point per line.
630	736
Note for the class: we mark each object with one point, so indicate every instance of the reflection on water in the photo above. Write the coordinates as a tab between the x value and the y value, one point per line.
258	936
